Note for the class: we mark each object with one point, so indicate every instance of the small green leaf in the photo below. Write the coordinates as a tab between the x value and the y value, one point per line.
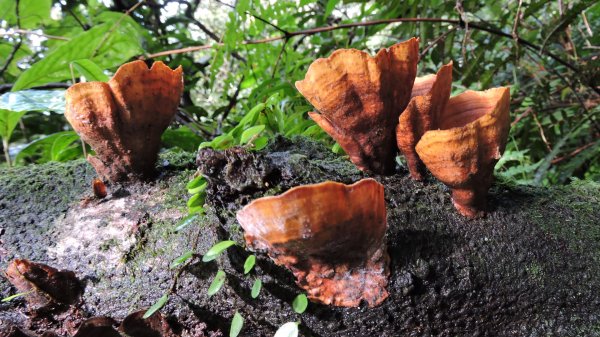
12	297
289	329
196	200
216	250
186	221
260	143
251	132
300	303
196	210
8	121
89	70
217	283
249	264
236	325
256	288
196	185
182	259
157	306
198	189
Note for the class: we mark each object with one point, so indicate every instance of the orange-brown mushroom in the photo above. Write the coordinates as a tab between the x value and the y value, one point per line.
429	97
44	286
330	235
472	137
122	120
359	99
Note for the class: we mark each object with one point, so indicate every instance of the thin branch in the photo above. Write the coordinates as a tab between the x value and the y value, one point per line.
285	32
30	32
279	58
437	40
83	26
573	153
232	102
306	32
115	25
10	57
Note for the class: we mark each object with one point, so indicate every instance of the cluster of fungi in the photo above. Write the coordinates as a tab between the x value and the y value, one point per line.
372	106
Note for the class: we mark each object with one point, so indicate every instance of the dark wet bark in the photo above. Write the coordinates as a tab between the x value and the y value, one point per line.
531	267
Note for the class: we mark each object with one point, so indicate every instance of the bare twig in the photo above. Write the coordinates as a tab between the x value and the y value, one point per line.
306	32
232	102
279	58
115	25
587	24
31	32
573	153
542	134
10	57
437	40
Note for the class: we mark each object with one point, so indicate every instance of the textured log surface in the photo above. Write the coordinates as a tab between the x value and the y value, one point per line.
529	268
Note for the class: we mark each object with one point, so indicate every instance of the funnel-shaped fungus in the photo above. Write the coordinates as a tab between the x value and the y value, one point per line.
44	286
359	98
472	137
122	120
330	235
430	95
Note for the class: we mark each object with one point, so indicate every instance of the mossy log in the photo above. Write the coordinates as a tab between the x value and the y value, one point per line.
530	267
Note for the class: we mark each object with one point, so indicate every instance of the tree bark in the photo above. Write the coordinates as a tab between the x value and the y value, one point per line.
530	267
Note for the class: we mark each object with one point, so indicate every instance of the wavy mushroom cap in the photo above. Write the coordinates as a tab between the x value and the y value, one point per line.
329	234
472	137
429	98
122	120
359	98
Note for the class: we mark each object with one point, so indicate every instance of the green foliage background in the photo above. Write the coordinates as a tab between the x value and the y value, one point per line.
241	90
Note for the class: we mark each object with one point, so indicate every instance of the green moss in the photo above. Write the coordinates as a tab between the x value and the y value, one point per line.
571	213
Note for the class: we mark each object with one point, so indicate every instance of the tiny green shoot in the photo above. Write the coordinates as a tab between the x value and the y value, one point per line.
236	325
12	297
249	264
157	306
256	288
217	283
216	250
300	303
186	221
182	259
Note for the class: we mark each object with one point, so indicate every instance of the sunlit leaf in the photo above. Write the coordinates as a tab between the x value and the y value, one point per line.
236	325
249	263
256	287
216	250
217	283
106	44
8	121
186	221
182	259
289	329
34	100
251	132
90	70
300	303
157	306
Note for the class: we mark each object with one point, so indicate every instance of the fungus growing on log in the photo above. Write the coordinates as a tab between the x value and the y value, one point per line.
135	325
44	286
122	120
359	98
429	97
472	135
330	235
